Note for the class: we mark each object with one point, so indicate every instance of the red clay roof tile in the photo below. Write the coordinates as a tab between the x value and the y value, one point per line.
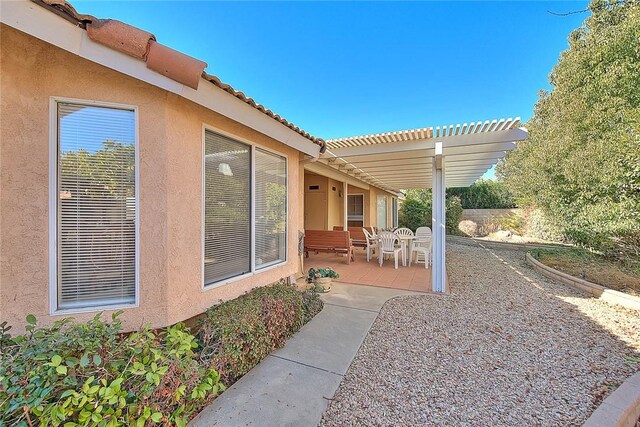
175	65
120	36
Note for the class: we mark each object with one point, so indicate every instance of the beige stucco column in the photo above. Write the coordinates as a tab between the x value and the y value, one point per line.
345	187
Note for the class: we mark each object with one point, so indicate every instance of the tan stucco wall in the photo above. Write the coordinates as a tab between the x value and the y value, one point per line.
317	216
170	187
335	204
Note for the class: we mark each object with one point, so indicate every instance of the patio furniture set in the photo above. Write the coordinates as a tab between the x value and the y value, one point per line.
400	241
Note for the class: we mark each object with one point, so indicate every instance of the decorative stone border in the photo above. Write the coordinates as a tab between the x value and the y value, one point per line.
605	294
502	245
621	408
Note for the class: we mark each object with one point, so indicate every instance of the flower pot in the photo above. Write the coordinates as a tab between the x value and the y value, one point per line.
325	282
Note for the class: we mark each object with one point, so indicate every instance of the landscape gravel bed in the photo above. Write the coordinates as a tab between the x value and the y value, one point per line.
506	347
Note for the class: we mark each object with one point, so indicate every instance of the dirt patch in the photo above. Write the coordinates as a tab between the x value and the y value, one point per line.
594	268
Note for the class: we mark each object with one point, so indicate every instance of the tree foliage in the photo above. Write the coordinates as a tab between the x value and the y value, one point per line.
415	211
581	163
484	194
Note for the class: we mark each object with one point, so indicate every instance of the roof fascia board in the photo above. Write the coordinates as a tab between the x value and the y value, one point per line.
38	22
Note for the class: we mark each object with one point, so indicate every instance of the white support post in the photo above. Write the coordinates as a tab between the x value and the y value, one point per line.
345	185
438	274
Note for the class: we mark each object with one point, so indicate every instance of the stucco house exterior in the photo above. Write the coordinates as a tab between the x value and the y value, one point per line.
131	179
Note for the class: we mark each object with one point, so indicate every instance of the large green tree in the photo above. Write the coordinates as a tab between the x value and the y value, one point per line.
581	163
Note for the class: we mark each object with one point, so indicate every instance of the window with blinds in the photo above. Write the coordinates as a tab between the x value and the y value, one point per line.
96	206
394	212
227	208
270	208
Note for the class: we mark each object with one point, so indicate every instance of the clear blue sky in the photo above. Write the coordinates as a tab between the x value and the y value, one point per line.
347	68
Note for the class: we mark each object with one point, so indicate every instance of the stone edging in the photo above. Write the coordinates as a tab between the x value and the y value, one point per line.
502	245
621	408
605	294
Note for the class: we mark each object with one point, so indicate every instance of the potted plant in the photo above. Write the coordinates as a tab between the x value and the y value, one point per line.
321	278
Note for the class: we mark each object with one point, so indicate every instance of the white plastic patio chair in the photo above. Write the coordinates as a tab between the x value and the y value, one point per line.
372	244
422	246
406	244
387	245
404	232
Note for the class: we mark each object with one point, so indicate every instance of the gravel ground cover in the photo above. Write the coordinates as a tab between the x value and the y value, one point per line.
507	347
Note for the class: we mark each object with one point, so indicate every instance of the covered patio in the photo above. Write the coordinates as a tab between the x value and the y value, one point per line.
436	158
410	278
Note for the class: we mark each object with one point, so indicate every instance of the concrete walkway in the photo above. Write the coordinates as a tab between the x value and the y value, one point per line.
293	385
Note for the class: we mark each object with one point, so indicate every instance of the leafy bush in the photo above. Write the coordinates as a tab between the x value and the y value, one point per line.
414	213
236	335
312	304
453	209
538	226
317	273
484	194
91	374
513	222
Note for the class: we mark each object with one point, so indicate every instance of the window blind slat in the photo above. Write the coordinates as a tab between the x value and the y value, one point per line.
227	208
96	206
270	209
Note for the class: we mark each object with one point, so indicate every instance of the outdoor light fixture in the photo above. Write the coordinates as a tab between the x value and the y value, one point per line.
225	169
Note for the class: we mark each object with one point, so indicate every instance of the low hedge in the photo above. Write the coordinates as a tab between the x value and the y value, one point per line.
236	335
93	374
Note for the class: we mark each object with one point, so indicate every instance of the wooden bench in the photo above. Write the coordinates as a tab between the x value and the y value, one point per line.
358	238
328	241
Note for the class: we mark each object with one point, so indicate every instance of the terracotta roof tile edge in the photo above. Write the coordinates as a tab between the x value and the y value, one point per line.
175	65
171	63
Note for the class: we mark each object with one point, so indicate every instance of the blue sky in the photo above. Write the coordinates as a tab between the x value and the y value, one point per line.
347	68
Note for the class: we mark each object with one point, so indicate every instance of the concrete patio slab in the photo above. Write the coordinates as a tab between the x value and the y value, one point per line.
293	385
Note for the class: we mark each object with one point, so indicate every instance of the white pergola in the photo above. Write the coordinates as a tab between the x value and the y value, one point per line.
416	158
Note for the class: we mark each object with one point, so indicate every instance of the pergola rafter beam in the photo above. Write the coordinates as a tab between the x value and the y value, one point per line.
488	137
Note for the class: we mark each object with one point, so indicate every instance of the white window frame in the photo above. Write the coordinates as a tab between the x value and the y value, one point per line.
254	271
53	205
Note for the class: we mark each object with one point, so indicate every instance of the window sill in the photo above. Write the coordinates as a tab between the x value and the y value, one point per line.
97	309
225	282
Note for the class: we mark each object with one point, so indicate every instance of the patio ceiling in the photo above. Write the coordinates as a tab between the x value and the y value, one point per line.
403	159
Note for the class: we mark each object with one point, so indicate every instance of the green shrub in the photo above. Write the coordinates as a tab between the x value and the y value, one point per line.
312	304
414	213
538	226
513	222
453	209
91	374
484	194
317	273
236	335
